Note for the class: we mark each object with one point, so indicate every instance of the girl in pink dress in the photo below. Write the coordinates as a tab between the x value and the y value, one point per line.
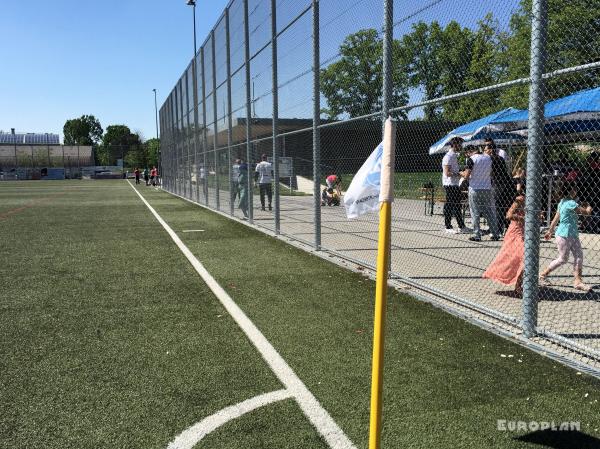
507	267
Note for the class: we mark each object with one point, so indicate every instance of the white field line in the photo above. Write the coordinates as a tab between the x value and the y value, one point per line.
191	436
317	415
193	230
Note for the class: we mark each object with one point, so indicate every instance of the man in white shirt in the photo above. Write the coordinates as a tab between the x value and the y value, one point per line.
263	175
481	196
450	180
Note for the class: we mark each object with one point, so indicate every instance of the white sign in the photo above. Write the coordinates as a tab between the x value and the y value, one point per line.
285	166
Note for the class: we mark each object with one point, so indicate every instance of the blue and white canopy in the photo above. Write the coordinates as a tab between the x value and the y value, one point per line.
581	109
478	130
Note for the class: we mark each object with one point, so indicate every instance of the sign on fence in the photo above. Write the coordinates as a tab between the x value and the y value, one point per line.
286	167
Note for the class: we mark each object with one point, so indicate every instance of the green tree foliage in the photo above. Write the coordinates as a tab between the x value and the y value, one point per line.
117	142
486	68
353	84
152	149
440	61
437	60
573	39
85	130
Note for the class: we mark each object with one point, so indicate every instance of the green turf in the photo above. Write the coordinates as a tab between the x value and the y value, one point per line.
440	371
110	339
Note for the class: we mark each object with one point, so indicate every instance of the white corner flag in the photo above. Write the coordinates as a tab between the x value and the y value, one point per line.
363	194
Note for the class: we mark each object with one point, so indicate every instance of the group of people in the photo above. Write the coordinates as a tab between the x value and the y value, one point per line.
508	265
490	188
500	198
263	176
150	178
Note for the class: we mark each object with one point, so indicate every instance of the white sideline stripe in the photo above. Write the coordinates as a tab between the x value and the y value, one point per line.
317	415
191	436
193	230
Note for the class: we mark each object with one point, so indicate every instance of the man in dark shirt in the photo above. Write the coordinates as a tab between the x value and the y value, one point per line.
502	185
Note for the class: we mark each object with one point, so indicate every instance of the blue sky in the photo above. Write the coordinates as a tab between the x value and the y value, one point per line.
65	58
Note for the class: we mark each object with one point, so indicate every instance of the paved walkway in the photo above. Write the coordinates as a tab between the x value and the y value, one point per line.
448	263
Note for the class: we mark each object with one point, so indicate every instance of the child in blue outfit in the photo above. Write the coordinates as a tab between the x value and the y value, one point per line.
567	237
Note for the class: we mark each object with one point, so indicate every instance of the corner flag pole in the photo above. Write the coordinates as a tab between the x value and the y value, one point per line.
386	197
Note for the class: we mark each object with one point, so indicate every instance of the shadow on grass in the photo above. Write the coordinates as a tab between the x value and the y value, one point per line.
561	440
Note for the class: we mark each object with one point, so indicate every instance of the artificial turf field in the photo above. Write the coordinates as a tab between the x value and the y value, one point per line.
109	338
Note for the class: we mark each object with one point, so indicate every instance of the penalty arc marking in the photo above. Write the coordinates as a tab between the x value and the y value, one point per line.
310	406
191	436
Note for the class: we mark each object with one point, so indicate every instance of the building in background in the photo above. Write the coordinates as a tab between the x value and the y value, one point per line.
40	156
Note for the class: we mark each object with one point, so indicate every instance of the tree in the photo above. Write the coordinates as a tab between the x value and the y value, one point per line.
573	39
117	142
152	149
353	84
437	60
85	130
485	68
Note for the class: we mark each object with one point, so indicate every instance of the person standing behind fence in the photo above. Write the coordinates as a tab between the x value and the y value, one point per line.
235	174
481	198
136	172
507	267
450	181
502	185
263	176
154	176
567	237
242	183
334	182
146	175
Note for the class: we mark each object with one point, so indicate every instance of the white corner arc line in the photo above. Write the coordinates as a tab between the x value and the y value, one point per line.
192	435
314	411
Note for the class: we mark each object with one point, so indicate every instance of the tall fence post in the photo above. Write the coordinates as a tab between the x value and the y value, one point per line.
204	170
195	100
215	124
248	114
316	123
388	30
275	113
534	168
229	123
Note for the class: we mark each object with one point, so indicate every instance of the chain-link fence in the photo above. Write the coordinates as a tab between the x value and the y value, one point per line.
497	181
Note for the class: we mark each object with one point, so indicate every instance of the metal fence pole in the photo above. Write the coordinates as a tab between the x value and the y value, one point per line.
229	123
534	168
215	139
187	172
316	123
275	112
204	171
248	114
195	129
388	30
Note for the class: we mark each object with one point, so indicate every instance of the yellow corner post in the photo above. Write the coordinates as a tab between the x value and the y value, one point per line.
383	262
